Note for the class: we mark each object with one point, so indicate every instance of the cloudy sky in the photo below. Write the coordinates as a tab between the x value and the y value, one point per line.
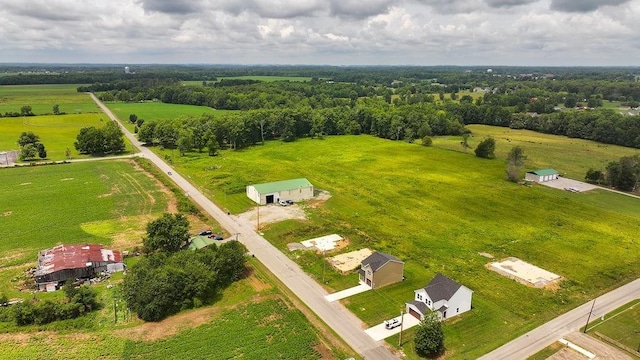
335	32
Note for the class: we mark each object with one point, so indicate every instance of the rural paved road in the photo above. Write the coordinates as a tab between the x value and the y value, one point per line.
334	314
543	336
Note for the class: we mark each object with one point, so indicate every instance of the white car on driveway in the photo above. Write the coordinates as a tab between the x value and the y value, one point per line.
390	324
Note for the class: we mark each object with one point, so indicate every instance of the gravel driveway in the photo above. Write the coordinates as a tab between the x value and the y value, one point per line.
563	183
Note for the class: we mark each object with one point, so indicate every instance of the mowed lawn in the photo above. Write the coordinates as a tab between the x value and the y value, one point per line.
56	132
157	111
621	325
93	202
41	98
437	210
571	157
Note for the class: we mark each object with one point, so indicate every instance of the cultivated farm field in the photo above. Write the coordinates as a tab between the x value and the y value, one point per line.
571	157
438	209
91	202
251	319
41	98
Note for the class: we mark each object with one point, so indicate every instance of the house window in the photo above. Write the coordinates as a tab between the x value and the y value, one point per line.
457	310
429	302
419	296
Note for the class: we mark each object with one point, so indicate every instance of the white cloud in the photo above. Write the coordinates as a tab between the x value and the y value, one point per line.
424	32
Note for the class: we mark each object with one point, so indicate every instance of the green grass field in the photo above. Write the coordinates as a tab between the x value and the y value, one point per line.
437	210
57	132
157	111
41	98
92	202
621	325
571	157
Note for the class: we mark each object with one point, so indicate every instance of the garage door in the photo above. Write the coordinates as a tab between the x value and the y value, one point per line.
414	313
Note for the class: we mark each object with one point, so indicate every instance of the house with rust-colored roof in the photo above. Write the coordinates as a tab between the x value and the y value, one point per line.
71	262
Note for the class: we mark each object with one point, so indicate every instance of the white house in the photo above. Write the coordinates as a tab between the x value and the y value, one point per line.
270	193
444	296
541	175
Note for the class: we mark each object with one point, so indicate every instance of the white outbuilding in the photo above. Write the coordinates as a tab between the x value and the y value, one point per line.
541	175
271	193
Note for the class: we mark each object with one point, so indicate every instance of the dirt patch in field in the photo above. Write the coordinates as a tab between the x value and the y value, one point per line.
46	336
318	199
27	183
170	326
273	213
67	179
257	284
151	331
7	213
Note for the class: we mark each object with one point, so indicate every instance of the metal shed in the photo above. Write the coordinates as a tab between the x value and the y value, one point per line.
270	193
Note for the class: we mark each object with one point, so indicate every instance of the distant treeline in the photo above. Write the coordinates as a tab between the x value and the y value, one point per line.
242	129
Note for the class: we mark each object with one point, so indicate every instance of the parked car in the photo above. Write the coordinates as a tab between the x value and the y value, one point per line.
289	202
282	203
390	324
205	232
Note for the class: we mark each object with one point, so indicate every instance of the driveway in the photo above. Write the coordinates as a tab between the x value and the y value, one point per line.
347	292
379	332
563	183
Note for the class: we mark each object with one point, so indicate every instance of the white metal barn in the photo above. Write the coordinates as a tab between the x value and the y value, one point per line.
541	175
270	193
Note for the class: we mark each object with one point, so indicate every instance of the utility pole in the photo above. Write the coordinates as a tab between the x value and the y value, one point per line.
115	312
401	325
258	210
324	261
589	317
237	236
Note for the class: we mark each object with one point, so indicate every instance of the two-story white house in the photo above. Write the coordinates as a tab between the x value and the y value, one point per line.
444	296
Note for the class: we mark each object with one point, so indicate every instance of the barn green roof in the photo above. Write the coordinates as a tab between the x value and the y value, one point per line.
198	242
544	172
282	185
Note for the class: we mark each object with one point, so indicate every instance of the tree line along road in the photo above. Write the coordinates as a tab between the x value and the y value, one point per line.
334	314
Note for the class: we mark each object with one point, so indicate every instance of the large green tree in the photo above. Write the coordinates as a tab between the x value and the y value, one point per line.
168	233
28	137
486	149
429	338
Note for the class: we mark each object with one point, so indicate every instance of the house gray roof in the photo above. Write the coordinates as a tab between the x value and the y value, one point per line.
422	307
441	287
377	259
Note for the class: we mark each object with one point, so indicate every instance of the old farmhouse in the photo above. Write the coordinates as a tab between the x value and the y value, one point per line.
271	193
380	269
70	262
541	175
444	296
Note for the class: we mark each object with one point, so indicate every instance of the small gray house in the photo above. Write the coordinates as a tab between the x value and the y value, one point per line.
380	269
442	295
